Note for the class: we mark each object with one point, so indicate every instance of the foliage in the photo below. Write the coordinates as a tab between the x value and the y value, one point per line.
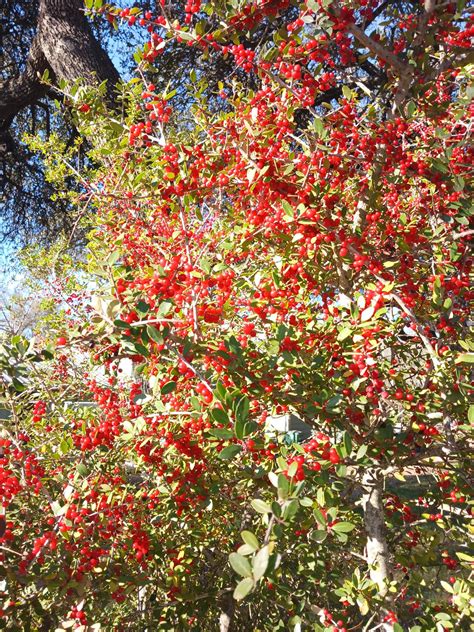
248	263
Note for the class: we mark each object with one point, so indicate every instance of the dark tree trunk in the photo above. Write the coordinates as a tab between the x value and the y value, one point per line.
66	47
69	45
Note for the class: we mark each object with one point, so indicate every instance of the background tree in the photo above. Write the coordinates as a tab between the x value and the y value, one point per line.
45	36
31	36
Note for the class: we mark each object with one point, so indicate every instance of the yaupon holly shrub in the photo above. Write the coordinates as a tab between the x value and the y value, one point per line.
254	256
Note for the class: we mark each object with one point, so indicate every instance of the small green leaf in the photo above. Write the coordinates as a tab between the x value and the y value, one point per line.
240	564
410	108
318	535
344	333
82	469
343	527
221	433
195	403
291	509
220	416
361	452
17	385
154	334
363	605
260	563
168	388
347	92
249	538
347	443
470	414
293	468
245	549
227	454
243	588
242	409
164	309
261	506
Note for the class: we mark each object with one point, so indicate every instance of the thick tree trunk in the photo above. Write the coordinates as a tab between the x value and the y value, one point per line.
69	45
66	47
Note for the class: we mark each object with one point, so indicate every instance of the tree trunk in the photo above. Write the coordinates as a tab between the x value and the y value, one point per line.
67	41
376	547
66	47
227	607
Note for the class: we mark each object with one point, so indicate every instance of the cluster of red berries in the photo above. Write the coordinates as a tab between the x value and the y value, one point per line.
39	411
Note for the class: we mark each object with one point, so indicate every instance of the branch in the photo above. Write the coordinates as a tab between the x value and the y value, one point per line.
377	49
21	91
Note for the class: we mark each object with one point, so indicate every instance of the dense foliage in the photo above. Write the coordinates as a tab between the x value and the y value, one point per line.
265	250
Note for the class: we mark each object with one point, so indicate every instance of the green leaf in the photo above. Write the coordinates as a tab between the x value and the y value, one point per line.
291	509
347	443
363	605
154	334
320	519
293	468
242	409
344	333
260	563
168	388
347	92
250	539
17	385
261	506
243	588
343	527
240	564
220	416
283	486
245	549
227	454
470	414
221	433
164	309
467	358
318	535
82	469
361	452
220	392
410	108
195	403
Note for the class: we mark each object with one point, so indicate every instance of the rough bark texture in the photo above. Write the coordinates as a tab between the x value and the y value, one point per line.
19	92
69	45
66	47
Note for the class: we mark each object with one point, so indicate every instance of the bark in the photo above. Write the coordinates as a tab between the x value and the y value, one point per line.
66	47
227	607
376	552
17	93
69	45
